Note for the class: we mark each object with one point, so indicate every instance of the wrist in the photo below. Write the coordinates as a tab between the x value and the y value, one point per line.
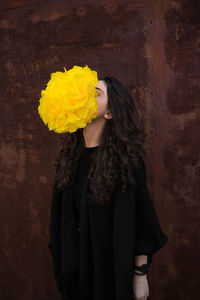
141	270
138	274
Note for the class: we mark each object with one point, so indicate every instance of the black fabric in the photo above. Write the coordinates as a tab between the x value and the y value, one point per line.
92	246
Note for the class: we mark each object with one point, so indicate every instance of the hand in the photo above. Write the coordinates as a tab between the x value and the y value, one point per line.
140	287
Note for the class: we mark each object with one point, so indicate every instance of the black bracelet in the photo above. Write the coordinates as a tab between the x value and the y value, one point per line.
143	269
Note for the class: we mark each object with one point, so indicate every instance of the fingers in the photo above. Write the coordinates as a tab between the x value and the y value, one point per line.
141	298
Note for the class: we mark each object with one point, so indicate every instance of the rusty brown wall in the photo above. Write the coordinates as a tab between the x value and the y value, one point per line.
153	48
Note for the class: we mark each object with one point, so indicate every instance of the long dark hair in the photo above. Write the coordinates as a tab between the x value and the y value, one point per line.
121	142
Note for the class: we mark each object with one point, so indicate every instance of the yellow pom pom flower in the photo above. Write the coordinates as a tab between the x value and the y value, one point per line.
69	100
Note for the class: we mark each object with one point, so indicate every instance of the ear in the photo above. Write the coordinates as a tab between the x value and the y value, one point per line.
108	115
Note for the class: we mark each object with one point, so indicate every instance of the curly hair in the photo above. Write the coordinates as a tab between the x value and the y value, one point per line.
111	163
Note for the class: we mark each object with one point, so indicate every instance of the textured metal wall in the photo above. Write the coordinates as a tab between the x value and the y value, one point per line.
153	48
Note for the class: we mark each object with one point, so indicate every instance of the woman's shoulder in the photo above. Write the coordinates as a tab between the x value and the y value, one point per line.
138	166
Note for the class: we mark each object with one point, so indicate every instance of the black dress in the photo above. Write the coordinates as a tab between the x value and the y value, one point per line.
92	246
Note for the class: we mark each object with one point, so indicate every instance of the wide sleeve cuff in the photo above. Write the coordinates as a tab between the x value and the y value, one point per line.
150	237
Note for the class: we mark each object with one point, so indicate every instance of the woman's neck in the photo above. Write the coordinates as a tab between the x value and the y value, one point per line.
92	132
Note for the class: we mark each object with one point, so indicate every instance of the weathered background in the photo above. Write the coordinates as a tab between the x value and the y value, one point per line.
153	48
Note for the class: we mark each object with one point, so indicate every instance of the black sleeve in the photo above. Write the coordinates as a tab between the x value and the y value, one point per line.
54	242
150	237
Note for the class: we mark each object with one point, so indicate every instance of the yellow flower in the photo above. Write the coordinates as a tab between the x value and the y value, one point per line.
69	100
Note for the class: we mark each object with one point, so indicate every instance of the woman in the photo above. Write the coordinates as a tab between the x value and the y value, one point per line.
103	223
